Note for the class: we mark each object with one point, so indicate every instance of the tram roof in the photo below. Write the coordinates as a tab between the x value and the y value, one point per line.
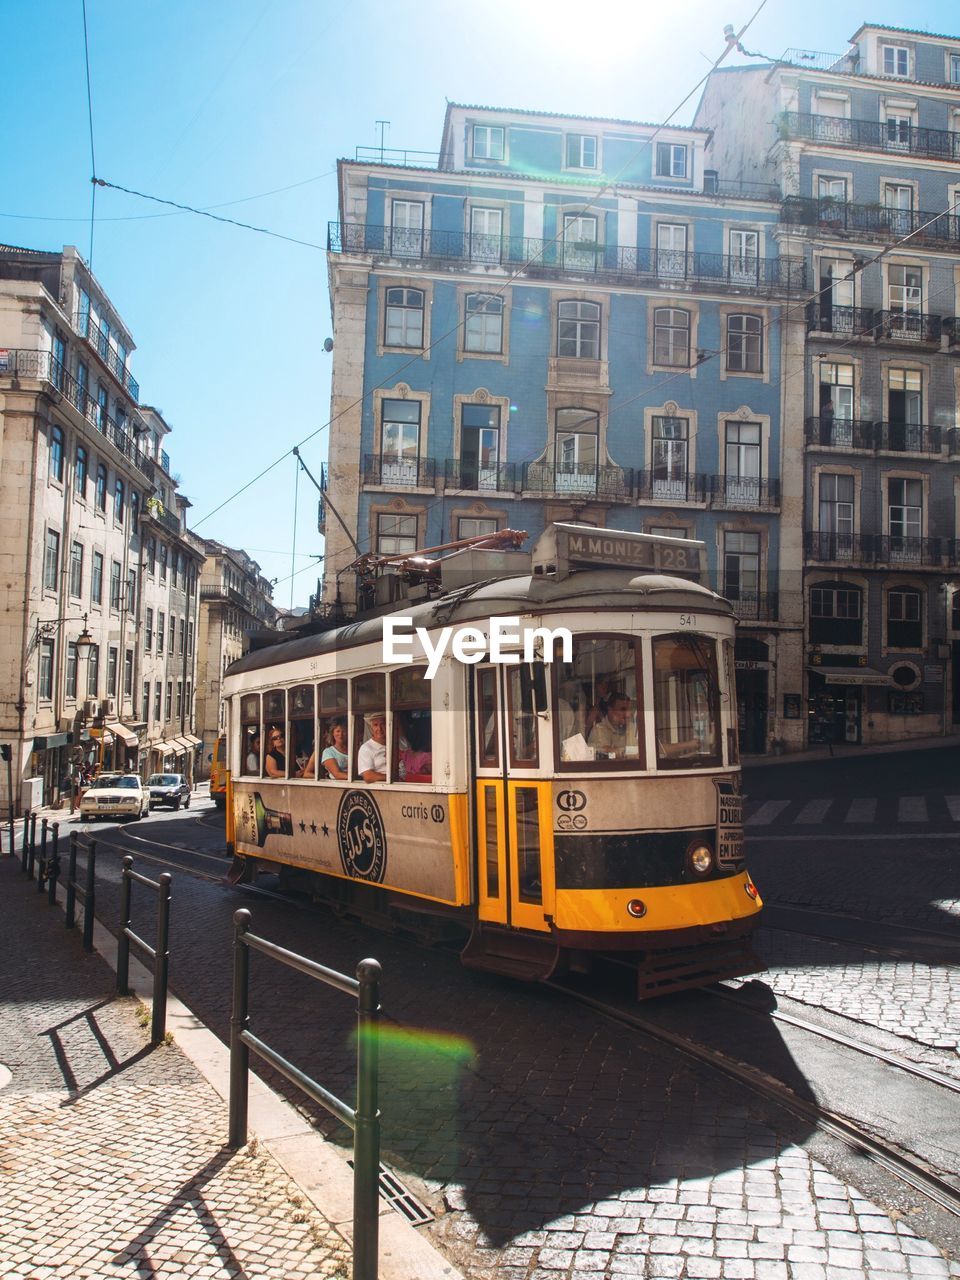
602	589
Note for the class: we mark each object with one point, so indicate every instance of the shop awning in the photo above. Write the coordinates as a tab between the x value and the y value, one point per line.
853	675
163	748
180	746
192	741
52	740
126	736
98	733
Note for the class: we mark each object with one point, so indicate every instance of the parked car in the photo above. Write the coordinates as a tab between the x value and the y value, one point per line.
115	795
172	789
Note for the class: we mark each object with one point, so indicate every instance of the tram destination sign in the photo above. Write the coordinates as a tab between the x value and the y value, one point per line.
564	547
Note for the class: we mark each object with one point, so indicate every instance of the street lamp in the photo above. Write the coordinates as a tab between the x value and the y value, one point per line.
48	629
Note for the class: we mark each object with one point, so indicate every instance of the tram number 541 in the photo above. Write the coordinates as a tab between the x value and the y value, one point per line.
688	619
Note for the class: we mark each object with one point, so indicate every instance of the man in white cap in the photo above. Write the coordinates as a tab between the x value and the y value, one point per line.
372	756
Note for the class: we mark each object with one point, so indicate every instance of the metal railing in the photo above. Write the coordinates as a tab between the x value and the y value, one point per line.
99	339
159	954
752	605
873	220
870	549
584	481
545	258
908	437
364	1119
824	317
398	155
87	890
48	868
755	492
500	477
402	473
888	437
817	60
651	487
840	433
907	326
896	137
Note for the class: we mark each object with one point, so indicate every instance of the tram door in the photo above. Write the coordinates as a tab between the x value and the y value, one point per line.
515	881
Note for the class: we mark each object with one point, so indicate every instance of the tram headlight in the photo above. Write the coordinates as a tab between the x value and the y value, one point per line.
700	859
636	908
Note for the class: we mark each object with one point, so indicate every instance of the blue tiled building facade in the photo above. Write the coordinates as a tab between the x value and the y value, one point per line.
565	318
865	148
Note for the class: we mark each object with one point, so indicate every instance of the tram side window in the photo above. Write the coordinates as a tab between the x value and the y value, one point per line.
370	728
597	711
250	744
686	701
332	735
412	726
487	718
301	752
275	734
733	743
524	749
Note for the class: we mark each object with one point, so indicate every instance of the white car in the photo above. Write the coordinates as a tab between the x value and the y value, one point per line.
115	795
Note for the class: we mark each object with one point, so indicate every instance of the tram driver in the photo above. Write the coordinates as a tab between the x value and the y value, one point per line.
615	736
372	756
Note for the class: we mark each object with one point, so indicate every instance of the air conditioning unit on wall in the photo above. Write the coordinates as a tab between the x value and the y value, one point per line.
91	708
108	707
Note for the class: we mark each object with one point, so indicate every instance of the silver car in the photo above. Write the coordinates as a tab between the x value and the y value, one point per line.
171	789
115	795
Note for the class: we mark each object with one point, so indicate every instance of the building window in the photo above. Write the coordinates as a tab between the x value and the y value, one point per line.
835	614
101	411
148	630
179	710
96	578
581	244
743	462
168	705
51	560
161	628
744	344
80	390
486	234
145	702
70	686
483	323
832	189
904	620
898	207
93	670
670	458
403	324
56	454
112	672
475	526
134	510
118	500
671	160
76	569
80	473
183	635
576	451
131	601
128	673
115	585
406	228
905	515
836	391
479	446
836	514
904	408
400	442
151	556
578	330
672	250
581	151
101	491
487	142
896	60
164	556
955	68
741	569
45	677
897	135
59	361
190	638
157	698
396	535
671	337
905	288
745	256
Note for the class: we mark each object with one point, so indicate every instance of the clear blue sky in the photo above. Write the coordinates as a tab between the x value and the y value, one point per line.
210	102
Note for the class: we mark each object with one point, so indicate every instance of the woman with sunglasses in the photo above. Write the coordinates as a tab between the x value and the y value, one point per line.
275	761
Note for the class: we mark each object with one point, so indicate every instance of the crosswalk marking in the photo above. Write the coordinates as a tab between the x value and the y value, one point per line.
767	812
861	811
912	809
813	811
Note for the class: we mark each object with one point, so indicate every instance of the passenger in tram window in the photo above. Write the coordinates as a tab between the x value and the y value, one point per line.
372	756
304	754
570	709
251	757
415	759
615	736
597	713
275	763
334	759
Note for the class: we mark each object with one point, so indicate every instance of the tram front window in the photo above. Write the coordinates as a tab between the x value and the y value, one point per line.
596	704
686	700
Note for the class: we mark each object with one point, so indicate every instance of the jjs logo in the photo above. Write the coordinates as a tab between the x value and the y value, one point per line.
363	845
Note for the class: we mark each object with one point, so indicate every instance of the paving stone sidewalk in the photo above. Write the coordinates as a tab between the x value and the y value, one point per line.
113	1160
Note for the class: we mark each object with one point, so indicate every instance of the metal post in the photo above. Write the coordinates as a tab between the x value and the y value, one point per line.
53	866
161	967
70	909
33	845
123	941
366	1134
26	840
239	1021
43	854
10	792
88	896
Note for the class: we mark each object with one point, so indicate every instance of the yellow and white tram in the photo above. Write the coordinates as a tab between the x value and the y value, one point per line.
565	784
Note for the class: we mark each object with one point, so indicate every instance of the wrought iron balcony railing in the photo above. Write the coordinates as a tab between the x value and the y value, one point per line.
840	433
42	366
873	221
896	137
874	549
747	605
475	476
891	549
907	326
908	437
548	258
866	322
399	473
847	322
99	339
757	493
667	489
614	484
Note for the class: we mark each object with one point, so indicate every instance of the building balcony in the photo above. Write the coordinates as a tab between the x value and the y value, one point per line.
583	482
911	327
907	326
666	490
42	366
874	549
560	259
840	433
229	595
873	221
871	135
875	437
153	509
750	492
475	477
99	340
842	322
399	473
908	437
752	605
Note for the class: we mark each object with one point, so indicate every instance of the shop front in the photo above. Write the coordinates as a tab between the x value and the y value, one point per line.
836	701
751	660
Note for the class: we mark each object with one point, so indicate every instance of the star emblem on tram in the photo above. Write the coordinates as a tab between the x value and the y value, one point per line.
303	825
313	827
325	829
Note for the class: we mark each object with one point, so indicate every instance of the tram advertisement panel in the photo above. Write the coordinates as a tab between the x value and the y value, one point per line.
399	840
